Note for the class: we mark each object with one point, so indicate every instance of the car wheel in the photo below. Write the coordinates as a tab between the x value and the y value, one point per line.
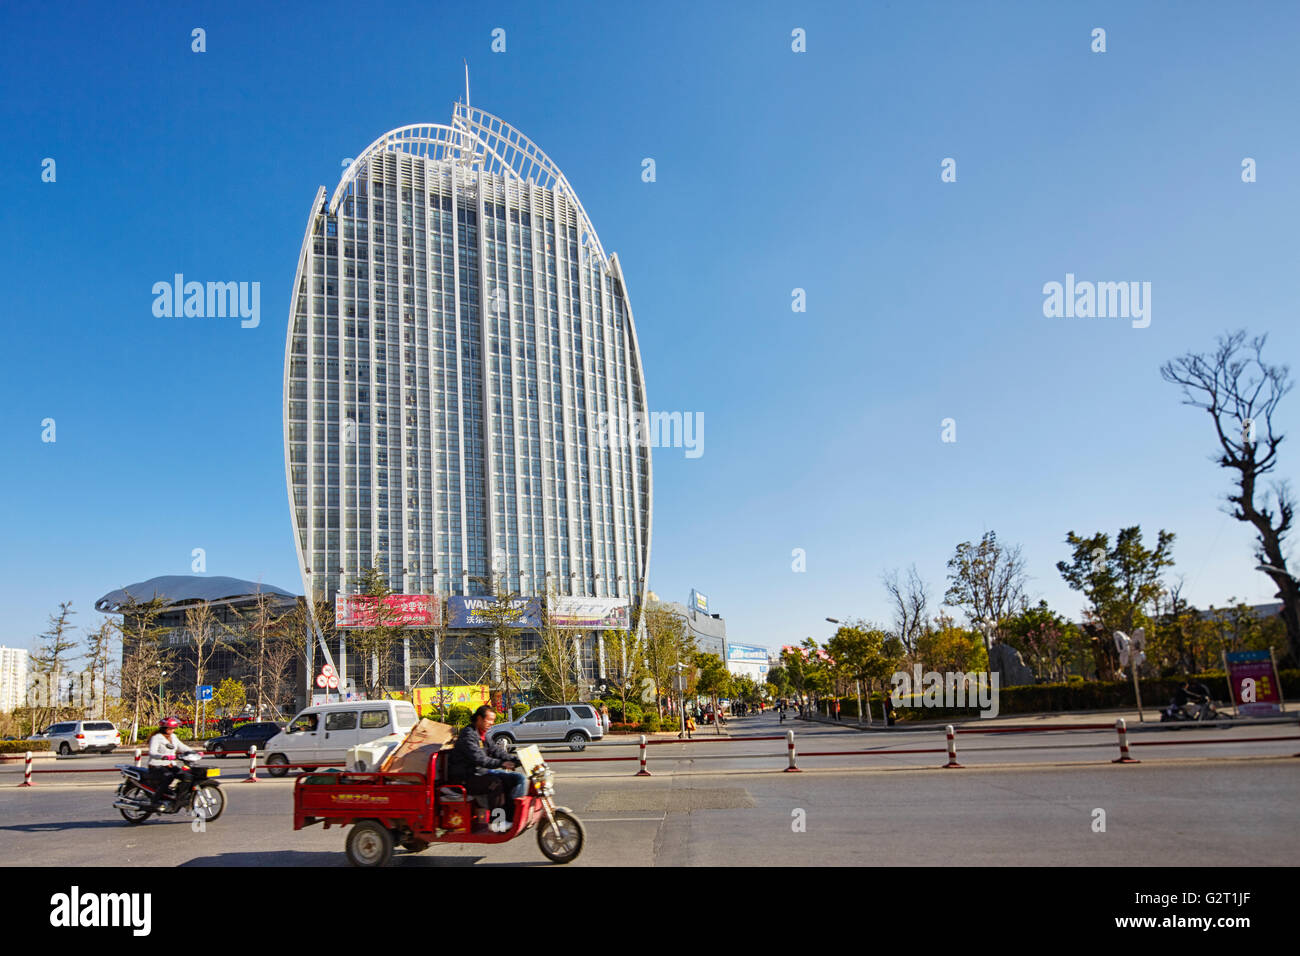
505	740
64	749
218	750
369	844
577	740
277	765
562	842
133	792
207	801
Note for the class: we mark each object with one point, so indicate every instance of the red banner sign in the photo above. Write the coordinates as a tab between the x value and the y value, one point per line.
399	610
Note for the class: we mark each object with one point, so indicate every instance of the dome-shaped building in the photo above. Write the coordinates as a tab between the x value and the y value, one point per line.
460	352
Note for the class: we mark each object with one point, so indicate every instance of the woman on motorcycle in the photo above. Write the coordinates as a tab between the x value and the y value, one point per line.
164	749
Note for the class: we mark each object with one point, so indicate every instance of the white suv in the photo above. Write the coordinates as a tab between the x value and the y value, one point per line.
81	736
574	724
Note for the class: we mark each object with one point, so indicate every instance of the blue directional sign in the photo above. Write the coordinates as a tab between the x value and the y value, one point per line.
205	692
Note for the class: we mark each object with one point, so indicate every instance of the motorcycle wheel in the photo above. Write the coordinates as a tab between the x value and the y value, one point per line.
210	801
563	842
133	792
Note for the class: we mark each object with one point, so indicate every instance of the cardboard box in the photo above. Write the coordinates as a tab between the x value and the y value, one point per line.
413	755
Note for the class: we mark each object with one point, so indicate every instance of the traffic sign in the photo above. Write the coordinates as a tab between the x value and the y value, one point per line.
322	680
205	692
327	670
333	681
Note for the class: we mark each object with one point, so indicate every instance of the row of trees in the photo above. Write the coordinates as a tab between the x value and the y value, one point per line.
265	639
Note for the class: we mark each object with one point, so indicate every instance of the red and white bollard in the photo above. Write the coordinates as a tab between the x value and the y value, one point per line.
789	746
137	756
252	765
643	772
952	763
27	771
1122	730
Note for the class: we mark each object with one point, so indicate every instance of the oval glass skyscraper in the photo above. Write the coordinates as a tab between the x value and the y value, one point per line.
459	350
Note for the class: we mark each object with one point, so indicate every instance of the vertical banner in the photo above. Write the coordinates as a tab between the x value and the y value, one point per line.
1253	680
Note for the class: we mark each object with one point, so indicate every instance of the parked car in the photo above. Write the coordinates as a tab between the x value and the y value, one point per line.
81	736
243	737
574	724
604	721
324	734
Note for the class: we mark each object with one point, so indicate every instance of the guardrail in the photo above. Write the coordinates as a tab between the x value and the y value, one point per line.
790	751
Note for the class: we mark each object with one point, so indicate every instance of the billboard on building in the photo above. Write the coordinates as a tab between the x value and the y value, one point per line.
400	610
748	660
468	612
588	613
440	698
699	602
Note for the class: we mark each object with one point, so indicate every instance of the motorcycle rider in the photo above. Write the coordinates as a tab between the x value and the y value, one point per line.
481	765
164	749
1192	700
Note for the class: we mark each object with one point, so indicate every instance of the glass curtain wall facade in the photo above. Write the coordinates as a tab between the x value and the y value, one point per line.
459	349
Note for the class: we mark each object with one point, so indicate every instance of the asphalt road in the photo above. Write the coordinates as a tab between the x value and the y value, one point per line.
703	809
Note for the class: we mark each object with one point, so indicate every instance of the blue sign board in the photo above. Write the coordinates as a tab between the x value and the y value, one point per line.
205	692
525	612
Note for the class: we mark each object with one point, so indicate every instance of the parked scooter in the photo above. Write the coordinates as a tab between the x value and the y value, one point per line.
1192	711
196	789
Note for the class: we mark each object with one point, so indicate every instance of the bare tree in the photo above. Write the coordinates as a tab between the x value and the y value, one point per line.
911	601
144	655
202	631
1241	394
987	580
261	630
99	657
557	662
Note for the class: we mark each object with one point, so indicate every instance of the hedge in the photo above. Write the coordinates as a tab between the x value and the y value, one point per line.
22	746
1073	695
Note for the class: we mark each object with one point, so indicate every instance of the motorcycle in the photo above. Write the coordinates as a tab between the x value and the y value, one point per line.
196	790
1201	711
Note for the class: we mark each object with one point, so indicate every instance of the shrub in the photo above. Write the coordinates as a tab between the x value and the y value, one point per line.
632	715
458	715
22	746
518	710
650	724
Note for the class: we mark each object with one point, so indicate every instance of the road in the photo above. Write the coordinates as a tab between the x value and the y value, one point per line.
702	808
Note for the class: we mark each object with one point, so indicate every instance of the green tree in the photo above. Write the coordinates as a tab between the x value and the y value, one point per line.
987	580
858	650
229	697
49	659
666	644
778	678
950	647
1046	640
713	680
624	665
1119	583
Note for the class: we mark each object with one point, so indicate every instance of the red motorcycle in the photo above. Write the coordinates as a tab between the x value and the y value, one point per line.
415	810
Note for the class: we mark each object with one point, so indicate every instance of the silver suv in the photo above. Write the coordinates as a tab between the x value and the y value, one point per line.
81	736
574	724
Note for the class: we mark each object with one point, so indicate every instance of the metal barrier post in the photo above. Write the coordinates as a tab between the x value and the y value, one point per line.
789	742
643	772
1122	730
137	756
252	765
27	771
952	763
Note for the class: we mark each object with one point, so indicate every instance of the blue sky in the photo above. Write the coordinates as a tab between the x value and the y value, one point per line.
775	170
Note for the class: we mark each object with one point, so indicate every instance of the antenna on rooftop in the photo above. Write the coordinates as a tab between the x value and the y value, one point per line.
466	62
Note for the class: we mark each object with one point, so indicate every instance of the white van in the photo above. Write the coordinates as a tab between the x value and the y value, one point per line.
324	734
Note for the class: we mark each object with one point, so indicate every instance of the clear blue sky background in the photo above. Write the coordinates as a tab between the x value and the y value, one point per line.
776	170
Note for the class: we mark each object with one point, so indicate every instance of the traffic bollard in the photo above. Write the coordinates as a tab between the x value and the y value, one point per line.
643	772
27	771
789	746
252	765
1122	730
952	763
137	756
